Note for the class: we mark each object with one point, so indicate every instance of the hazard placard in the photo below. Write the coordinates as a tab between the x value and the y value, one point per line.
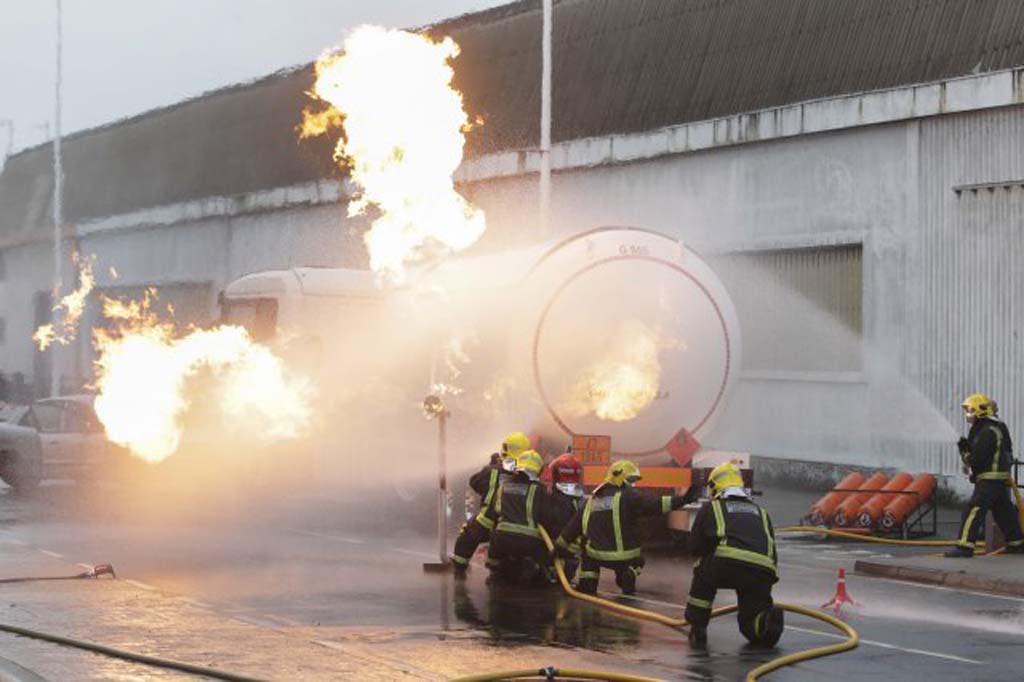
593	450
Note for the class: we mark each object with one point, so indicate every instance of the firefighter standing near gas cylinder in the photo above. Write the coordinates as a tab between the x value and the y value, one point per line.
518	507
485	483
987	455
736	544
566	500
609	526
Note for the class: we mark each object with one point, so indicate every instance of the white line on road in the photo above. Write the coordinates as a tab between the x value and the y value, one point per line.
141	585
870	642
413	553
53	554
328	536
886	645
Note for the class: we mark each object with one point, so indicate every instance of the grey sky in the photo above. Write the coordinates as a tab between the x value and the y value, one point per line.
123	57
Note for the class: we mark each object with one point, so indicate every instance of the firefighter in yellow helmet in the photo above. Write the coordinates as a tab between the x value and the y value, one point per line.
485	482
987	455
519	506
609	525
736	544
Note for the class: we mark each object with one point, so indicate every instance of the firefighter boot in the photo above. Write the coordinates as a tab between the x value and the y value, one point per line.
626	579
960	552
770	623
698	636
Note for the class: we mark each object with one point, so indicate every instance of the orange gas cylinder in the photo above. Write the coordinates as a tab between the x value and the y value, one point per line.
870	512
847	511
897	511
822	511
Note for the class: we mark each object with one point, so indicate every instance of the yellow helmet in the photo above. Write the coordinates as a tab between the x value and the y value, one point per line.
623	472
724	476
530	462
514	444
979	405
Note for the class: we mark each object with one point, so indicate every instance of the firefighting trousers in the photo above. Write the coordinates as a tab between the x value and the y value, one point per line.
626	573
758	621
988	496
517	558
470	537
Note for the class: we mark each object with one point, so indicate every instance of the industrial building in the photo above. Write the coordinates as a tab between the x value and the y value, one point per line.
854	171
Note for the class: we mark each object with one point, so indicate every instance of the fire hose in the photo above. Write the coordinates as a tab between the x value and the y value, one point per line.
851	642
156	661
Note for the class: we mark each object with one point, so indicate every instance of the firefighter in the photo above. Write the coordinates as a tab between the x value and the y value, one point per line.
485	483
987	455
520	504
609	524
736	544
566	498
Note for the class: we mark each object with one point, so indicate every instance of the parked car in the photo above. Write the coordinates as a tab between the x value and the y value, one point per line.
53	438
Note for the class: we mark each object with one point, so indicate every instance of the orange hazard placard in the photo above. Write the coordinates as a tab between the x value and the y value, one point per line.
593	449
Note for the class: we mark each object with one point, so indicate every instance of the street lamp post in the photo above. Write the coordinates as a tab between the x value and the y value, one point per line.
434	408
545	120
58	212
9	124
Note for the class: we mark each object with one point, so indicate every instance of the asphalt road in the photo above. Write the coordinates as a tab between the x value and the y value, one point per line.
305	563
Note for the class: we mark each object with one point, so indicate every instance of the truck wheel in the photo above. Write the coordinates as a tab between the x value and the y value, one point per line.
21	474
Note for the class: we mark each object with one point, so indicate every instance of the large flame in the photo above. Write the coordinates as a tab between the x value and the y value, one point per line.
620	384
403	140
69	309
144	389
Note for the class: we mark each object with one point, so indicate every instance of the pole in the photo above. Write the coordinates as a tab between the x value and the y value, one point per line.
442	494
58	214
545	121
9	124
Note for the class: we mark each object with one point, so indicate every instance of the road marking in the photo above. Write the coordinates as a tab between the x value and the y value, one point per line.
886	645
310	533
53	554
141	585
870	642
413	553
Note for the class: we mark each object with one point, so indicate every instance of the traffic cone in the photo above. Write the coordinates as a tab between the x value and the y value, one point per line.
841	597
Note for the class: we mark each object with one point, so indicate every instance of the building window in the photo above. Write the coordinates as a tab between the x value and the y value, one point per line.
800	310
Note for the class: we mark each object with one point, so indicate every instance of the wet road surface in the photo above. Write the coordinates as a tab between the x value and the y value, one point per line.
282	566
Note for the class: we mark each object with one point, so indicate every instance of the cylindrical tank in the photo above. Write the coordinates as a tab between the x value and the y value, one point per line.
616	331
824	509
847	510
870	512
899	509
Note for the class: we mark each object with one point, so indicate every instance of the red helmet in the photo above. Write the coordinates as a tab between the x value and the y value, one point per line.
567	474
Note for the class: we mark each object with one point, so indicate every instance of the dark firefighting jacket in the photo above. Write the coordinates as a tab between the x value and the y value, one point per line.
519	505
563	509
737	530
990	450
609	521
485	484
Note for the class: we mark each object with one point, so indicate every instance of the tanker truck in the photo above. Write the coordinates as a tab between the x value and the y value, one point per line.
618	341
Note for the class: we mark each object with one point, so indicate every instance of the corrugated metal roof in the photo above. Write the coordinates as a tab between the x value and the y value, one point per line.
620	66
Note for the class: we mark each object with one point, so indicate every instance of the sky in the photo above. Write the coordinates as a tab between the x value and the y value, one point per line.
124	57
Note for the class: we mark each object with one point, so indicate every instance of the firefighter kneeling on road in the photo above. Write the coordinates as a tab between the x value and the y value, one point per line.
736	544
485	483
987	454
566	500
609	526
518	507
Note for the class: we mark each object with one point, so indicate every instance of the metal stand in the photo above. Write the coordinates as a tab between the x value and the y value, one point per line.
434	408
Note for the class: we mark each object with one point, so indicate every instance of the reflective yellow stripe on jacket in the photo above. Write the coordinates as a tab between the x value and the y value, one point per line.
724	551
993	473
531	527
620	553
492	486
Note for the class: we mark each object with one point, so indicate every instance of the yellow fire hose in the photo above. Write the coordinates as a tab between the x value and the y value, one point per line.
851	642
